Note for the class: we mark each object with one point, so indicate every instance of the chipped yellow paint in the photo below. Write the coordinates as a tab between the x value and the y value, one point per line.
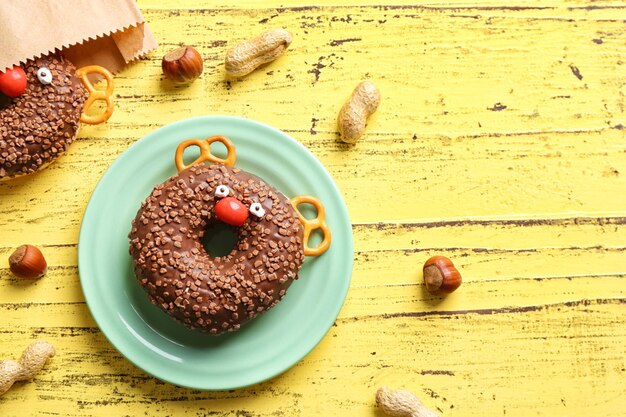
499	142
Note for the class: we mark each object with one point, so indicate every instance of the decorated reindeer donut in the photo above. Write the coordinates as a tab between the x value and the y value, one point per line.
41	107
219	294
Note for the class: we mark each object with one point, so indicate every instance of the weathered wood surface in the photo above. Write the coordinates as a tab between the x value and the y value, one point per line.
499	142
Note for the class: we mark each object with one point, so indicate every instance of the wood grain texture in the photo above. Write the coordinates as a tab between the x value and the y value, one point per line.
499	143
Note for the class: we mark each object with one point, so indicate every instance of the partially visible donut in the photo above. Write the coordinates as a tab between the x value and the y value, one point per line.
41	121
215	294
39	125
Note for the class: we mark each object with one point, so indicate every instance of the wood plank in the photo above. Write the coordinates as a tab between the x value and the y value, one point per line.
463	361
549	259
488	176
567	5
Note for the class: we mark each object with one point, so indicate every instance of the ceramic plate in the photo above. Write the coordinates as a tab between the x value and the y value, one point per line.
266	346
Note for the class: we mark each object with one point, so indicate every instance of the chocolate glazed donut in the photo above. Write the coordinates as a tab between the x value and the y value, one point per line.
41	115
219	294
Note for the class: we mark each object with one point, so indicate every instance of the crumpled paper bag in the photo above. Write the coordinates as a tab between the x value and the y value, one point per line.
109	33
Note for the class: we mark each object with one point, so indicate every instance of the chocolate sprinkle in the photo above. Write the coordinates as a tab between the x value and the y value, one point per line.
221	293
38	126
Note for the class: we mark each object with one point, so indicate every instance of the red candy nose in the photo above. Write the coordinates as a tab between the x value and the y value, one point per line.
13	82
231	211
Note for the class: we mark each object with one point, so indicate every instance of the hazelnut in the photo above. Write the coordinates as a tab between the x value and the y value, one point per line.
440	275
28	262
182	65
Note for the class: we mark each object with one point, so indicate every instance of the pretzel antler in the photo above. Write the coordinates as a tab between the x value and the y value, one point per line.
205	152
310	225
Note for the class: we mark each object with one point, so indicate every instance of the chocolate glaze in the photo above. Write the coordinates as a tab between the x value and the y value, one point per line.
214	294
39	125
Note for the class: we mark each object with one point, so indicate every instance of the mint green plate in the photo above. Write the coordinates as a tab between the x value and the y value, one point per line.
266	346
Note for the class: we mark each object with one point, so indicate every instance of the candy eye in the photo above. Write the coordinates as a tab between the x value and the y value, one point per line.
222	191
257	209
44	75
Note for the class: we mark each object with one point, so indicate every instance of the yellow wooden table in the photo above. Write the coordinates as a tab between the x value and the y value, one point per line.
499	142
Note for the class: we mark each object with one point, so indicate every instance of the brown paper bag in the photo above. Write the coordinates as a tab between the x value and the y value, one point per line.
109	33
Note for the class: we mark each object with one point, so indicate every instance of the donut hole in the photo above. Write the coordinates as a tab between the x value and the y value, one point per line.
219	239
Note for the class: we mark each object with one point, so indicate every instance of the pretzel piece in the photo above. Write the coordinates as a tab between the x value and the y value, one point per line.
310	225
205	152
95	95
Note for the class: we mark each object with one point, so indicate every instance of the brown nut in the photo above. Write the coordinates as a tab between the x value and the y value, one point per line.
182	65
246	56
28	262
440	275
353	115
